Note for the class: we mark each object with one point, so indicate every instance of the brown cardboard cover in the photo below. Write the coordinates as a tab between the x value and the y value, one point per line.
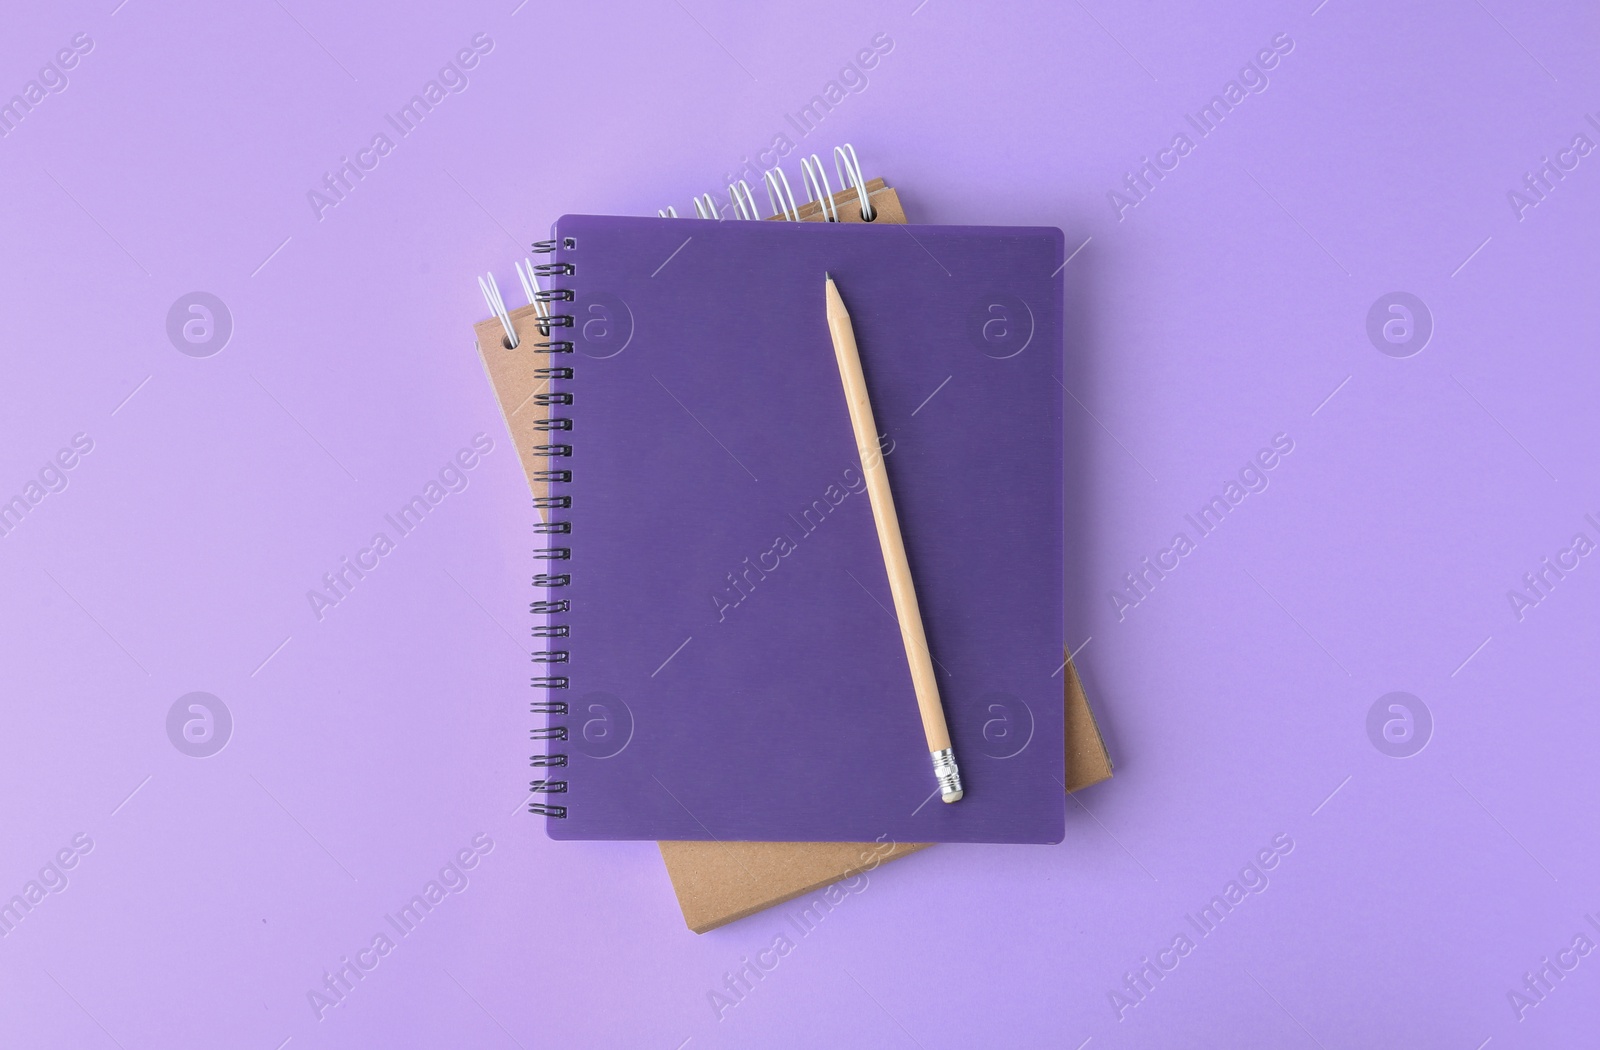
511	374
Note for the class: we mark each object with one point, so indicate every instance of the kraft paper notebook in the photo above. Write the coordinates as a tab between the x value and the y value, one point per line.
720	882
718	595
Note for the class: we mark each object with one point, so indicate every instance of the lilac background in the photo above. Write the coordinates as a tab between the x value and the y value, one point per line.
1229	306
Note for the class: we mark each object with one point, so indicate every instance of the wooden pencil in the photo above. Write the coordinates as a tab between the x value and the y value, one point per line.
892	545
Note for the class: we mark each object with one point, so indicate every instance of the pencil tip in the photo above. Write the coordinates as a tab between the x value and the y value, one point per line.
826	276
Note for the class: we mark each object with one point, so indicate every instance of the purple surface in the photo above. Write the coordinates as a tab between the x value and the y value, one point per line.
736	671
1231	305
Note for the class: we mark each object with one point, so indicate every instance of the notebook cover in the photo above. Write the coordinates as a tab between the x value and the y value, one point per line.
731	640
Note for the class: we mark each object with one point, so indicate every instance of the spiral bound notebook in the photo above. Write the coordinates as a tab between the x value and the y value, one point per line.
720	598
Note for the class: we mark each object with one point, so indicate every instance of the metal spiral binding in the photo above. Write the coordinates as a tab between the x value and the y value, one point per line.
743	200
549	322
816	181
779	195
497	305
742	204
849	169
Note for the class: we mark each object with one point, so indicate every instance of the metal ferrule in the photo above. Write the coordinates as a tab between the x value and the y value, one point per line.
944	768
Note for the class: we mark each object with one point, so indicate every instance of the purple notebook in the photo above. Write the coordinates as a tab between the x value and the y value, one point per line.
723	660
